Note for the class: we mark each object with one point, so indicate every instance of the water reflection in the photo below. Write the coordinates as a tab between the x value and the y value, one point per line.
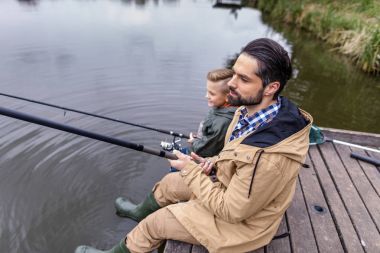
230	61
145	65
138	3
234	6
28	2
227	4
143	62
142	3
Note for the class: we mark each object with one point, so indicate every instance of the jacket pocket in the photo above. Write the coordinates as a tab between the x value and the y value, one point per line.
237	156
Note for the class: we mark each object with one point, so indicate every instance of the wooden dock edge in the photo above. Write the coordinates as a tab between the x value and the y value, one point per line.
360	138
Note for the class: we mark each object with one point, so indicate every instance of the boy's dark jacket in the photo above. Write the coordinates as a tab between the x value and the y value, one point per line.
214	131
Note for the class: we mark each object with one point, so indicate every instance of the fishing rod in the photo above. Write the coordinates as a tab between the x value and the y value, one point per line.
98	116
81	132
367	159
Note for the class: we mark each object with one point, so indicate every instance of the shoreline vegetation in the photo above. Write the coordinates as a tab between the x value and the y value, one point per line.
351	27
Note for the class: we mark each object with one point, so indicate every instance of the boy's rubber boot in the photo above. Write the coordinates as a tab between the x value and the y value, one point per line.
125	208
119	248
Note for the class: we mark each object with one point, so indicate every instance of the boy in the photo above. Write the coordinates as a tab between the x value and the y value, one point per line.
210	140
213	129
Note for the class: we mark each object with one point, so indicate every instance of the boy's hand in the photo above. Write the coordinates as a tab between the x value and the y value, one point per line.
192	138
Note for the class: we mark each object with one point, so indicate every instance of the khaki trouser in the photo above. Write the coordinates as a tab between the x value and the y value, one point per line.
162	224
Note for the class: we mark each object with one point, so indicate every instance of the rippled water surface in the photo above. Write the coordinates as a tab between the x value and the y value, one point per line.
140	61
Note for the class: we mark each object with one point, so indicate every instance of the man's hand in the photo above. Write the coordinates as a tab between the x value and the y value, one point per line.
205	164
183	160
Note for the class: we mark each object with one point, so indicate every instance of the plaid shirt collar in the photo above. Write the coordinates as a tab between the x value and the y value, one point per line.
249	124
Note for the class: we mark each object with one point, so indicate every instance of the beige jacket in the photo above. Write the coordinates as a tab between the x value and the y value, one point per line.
243	209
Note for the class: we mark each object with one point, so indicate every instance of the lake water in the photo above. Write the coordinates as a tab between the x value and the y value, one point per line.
143	62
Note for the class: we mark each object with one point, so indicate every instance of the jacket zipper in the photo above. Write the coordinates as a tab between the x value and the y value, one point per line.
261	151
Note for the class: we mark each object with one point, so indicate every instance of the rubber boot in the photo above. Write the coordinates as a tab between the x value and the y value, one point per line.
125	208
119	248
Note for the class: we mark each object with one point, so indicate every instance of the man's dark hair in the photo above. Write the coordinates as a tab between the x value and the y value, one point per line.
273	62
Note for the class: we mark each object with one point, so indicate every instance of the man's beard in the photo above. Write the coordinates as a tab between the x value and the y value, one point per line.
239	100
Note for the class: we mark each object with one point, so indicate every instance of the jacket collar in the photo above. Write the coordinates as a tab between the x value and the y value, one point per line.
288	121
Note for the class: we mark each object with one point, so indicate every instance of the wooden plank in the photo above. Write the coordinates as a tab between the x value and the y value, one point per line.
281	245
198	249
173	246
370	170
365	189
183	247
363	224
326	235
301	232
261	250
360	138
374	155
351	242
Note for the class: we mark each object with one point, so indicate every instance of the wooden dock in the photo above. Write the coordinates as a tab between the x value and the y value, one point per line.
336	207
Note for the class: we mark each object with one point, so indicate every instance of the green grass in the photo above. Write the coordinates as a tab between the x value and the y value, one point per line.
351	27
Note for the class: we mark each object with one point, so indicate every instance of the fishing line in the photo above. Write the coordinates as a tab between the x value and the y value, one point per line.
97	116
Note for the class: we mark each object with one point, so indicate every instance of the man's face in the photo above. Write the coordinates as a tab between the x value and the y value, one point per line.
246	88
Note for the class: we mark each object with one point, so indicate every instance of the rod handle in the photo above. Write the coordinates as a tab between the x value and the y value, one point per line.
171	156
367	159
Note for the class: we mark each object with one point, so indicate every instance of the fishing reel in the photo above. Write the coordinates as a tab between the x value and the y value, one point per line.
174	145
170	146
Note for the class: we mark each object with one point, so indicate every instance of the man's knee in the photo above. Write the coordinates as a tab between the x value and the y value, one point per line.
172	181
171	189
155	228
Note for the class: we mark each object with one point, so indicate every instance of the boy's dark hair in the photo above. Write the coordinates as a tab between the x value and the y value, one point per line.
273	62
221	75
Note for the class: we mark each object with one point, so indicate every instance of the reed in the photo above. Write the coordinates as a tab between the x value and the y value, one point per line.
351	27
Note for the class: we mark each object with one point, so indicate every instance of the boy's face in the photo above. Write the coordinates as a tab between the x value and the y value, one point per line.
215	95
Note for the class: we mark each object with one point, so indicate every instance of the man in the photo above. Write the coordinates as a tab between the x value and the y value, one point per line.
266	144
